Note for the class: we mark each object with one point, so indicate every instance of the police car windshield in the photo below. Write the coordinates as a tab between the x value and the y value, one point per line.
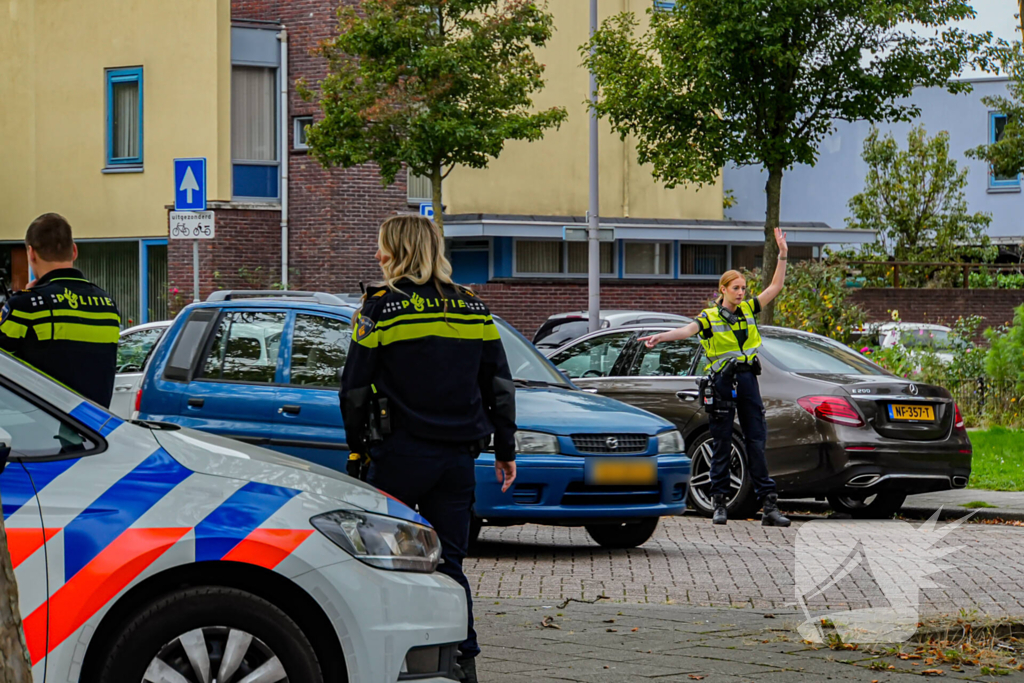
526	362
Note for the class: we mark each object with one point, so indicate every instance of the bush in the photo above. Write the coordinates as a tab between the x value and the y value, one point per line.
814	300
1005	359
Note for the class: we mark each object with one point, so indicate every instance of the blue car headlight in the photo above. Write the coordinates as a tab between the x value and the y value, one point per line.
381	541
670	442
536	443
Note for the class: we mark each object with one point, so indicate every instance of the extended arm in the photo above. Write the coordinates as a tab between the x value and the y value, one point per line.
499	395
357	381
678	334
779	279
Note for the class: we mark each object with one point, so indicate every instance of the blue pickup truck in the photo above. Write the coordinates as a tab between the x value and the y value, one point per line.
262	367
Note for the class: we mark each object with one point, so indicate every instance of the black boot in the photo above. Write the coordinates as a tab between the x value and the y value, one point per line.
720	513
770	515
465	669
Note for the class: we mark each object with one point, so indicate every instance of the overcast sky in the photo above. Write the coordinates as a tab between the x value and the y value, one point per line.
995	16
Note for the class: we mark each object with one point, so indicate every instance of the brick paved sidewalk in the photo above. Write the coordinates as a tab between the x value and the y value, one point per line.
692	562
620	643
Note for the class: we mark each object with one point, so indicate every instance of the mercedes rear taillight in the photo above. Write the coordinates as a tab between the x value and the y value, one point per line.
832	409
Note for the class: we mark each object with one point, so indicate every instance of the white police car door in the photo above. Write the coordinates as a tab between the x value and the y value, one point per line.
309	421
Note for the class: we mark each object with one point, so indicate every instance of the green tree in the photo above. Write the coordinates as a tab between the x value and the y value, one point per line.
761	82
1006	155
914	198
431	84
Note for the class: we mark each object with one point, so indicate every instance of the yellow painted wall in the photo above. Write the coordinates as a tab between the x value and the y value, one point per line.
53	109
551	176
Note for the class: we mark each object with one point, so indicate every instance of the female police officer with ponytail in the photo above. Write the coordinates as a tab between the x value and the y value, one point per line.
728	333
426	358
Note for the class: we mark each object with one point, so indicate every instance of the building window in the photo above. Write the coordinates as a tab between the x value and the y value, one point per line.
124	117
664	5
420	189
648	258
254	131
554	257
996	126
299	132
703	259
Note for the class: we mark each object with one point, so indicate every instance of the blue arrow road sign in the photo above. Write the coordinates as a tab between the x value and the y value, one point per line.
190	184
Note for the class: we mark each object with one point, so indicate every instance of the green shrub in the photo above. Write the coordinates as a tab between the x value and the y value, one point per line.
814	300
1005	359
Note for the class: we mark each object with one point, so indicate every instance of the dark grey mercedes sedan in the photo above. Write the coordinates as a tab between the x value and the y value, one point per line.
839	426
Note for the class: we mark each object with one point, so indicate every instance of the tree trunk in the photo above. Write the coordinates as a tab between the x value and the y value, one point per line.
435	184
773	189
15	663
1020	14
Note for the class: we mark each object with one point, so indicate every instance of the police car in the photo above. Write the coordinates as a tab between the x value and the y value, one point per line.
148	552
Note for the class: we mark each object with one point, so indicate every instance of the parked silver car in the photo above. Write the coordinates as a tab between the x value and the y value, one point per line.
562	328
133	349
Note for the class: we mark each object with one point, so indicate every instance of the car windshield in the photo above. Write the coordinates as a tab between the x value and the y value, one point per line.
804	353
932	340
525	361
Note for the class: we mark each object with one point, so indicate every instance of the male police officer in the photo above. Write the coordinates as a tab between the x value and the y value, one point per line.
62	324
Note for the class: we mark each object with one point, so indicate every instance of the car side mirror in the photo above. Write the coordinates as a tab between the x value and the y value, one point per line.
5	447
130	367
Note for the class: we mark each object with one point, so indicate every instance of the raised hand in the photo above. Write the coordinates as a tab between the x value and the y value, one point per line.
780	239
651	341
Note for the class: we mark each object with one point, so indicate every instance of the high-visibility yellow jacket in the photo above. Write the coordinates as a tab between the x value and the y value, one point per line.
719	338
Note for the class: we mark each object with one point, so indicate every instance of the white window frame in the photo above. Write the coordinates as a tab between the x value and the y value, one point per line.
419	200
565	260
673	266
299	124
702	278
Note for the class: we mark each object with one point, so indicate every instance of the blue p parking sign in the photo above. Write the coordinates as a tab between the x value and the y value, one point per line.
427	209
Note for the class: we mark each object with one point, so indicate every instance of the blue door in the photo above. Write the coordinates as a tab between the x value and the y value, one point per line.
235	392
308	416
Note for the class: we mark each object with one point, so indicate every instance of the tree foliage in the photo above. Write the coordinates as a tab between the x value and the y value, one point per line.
1006	155
815	300
914	198
431	84
761	82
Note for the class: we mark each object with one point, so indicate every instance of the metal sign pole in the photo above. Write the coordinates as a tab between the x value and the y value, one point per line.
195	270
594	253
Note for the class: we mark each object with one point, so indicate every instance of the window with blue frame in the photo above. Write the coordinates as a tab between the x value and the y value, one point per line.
664	5
124	117
996	126
254	142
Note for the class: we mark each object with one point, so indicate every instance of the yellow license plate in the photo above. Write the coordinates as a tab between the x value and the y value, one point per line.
618	471
902	411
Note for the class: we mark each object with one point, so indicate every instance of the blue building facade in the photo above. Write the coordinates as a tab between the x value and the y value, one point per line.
821	193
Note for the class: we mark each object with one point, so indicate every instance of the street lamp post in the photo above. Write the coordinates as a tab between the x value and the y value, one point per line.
593	221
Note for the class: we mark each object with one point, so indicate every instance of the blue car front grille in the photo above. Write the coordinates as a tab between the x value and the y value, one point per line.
611	443
578	493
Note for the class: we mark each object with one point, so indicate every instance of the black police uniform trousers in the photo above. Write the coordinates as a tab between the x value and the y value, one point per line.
439	478
755	433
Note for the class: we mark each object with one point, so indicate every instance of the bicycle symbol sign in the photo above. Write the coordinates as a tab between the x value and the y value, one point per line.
191	225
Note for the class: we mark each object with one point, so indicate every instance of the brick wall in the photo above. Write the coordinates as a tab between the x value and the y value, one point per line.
941	306
526	305
245	255
333	214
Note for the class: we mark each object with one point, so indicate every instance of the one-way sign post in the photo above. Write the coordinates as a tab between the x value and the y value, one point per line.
190	219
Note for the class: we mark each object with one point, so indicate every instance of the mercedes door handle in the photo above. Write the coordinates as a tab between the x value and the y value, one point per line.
688	395
289	410
196	402
123	388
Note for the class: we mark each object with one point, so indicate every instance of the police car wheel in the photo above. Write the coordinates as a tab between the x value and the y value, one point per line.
741	503
623	535
201	635
882	505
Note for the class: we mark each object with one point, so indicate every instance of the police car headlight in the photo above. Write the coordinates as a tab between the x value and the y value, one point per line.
670	442
380	541
536	443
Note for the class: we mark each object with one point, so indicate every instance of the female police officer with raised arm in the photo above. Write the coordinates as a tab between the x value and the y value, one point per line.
426	358
730	339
